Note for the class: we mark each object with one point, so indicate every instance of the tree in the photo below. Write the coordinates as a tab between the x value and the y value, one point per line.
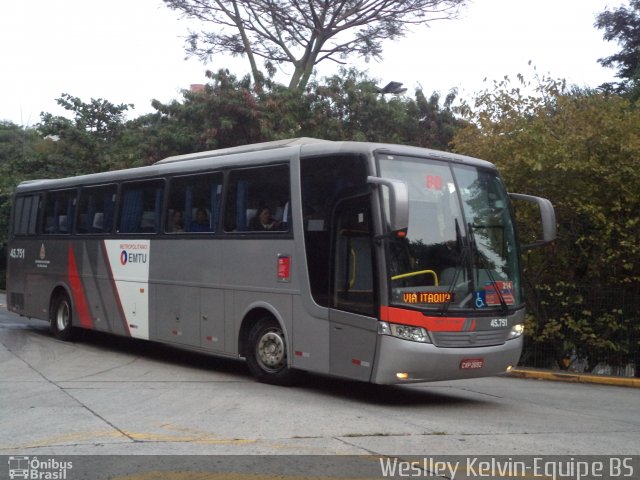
301	33
580	149
350	106
433	125
18	146
347	106
88	142
623	26
226	113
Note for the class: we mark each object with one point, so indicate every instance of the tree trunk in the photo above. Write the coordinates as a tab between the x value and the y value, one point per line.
304	66
255	72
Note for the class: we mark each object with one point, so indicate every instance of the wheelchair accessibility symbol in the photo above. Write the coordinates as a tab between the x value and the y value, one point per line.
481	299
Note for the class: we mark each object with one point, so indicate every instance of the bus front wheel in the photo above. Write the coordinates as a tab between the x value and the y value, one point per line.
267	353
61	317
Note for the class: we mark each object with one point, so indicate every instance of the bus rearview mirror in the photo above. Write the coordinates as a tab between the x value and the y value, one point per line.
398	201
547	215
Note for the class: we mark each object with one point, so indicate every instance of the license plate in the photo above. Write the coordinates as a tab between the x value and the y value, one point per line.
471	363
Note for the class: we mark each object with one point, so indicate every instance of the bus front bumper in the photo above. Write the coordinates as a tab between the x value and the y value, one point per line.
401	361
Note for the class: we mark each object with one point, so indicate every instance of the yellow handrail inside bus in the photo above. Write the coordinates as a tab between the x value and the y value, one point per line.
413	274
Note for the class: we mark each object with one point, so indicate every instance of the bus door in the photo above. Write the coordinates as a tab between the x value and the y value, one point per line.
353	325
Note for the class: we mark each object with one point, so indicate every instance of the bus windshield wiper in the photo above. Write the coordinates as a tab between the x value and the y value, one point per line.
486	268
465	251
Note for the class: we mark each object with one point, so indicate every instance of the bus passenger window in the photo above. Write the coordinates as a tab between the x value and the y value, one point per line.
96	210
194	203
59	209
26	212
140	207
258	200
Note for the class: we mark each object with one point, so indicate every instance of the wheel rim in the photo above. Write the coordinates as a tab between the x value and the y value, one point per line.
62	316
271	350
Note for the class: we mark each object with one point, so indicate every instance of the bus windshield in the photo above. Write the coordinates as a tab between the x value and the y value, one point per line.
459	252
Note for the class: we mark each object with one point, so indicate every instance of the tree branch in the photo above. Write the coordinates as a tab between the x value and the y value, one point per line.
304	33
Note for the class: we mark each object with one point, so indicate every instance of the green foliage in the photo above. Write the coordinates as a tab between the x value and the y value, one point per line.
433	125
224	114
584	324
230	111
348	106
18	147
580	149
84	144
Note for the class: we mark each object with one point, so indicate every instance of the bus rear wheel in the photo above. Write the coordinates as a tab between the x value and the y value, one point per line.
61	317
267	353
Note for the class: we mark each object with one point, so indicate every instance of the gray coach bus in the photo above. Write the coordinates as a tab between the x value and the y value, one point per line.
375	262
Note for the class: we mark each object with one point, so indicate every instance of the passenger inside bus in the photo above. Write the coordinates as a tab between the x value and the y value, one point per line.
176	224
201	222
263	221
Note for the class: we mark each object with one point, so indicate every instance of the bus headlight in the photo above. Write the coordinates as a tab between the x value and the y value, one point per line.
516	331
406	332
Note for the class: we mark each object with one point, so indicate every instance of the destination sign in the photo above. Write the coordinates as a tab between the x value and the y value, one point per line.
427	297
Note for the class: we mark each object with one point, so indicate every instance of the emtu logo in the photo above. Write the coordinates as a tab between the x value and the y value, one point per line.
131	257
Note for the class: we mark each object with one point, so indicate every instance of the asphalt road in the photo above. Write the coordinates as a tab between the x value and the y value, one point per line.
106	395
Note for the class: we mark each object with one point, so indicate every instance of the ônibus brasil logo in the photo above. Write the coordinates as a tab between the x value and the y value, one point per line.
33	468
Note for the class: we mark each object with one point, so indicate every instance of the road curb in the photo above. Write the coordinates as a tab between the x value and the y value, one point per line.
574	377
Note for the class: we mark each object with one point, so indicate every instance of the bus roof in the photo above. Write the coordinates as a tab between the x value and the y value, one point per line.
252	147
252	154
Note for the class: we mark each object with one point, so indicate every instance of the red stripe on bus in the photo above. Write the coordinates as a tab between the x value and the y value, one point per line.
417	319
77	291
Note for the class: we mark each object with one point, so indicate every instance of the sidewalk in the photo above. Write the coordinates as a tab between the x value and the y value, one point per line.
574	377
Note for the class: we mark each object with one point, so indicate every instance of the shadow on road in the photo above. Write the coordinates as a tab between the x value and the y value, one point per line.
386	395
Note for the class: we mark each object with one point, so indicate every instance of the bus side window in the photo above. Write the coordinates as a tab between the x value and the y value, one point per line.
192	194
59	210
252	190
96	209
141	207
25	216
18	207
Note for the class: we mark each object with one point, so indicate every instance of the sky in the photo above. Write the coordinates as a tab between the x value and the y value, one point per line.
132	51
